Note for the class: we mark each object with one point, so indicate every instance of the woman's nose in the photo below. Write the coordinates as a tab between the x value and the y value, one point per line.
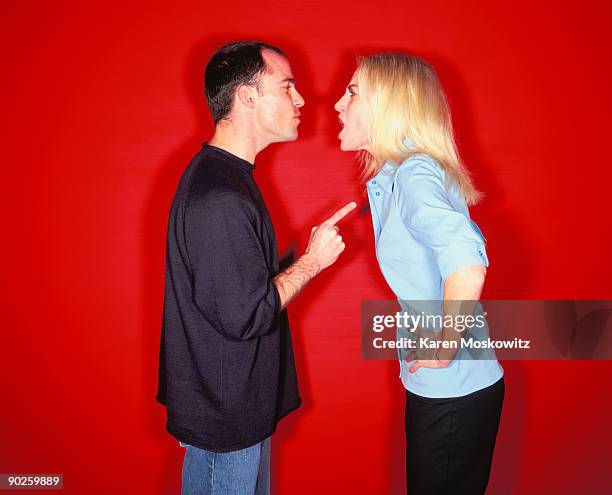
338	105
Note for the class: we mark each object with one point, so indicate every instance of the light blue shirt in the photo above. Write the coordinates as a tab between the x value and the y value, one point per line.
423	234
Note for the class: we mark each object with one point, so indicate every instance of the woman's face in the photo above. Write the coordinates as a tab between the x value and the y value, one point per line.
352	114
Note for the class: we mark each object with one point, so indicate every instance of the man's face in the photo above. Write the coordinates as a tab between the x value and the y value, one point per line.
278	106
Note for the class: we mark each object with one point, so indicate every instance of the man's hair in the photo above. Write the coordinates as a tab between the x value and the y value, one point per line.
233	65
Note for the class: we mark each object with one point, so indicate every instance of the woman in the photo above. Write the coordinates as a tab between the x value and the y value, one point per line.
395	113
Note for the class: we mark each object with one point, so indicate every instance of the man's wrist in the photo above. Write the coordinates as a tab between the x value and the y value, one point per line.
310	264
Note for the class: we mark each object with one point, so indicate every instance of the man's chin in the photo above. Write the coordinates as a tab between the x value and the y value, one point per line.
289	137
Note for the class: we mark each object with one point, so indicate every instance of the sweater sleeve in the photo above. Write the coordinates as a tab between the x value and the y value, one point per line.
233	286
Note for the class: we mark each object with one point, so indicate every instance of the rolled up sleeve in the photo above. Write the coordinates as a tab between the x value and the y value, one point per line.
429	215
233	286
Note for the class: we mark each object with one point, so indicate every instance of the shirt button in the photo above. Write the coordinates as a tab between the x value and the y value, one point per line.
373	182
377	193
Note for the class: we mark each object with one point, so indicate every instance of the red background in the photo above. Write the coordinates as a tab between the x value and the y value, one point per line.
102	110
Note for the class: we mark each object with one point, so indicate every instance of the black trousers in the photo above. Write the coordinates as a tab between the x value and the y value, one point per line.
450	442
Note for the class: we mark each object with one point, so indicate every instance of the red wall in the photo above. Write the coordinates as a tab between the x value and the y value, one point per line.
102	110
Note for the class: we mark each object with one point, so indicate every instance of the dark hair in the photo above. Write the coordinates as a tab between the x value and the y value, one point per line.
232	65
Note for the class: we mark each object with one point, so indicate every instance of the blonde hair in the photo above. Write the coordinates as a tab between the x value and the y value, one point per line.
409	115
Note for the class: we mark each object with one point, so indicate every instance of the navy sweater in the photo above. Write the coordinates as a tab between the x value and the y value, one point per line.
226	373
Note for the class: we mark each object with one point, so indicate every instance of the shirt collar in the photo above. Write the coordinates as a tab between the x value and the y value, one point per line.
243	164
384	178
386	175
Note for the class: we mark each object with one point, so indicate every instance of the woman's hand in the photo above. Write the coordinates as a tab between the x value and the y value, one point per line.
460	288
426	363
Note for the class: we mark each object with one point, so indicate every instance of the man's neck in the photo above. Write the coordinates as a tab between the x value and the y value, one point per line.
235	141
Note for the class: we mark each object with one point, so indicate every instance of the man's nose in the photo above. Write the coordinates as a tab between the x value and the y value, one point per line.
298	101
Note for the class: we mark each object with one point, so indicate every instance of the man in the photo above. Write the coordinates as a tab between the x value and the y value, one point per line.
227	372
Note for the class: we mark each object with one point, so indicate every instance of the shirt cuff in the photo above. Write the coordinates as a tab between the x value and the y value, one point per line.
458	255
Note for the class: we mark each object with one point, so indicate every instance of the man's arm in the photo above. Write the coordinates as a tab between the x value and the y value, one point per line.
230	276
324	247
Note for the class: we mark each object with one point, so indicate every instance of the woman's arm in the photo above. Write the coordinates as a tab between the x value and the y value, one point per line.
460	287
465	284
457	246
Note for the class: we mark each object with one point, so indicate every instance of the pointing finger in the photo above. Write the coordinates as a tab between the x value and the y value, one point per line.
342	212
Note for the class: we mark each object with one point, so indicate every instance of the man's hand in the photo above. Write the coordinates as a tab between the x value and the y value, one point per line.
324	247
325	244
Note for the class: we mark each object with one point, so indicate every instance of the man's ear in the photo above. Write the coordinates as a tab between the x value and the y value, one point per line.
246	95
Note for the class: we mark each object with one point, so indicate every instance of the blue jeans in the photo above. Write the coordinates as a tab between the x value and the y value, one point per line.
241	472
